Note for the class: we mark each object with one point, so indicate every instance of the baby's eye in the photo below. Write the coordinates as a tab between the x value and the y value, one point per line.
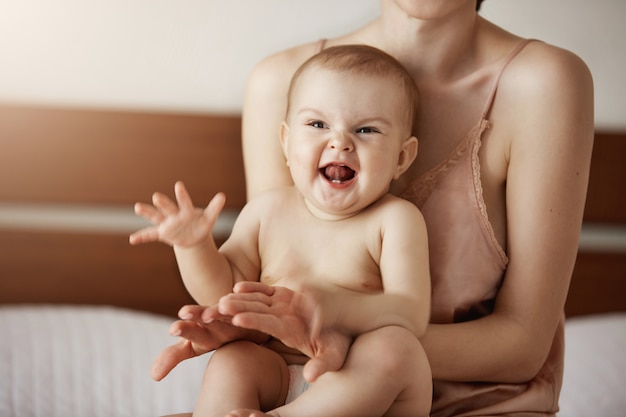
367	129
318	124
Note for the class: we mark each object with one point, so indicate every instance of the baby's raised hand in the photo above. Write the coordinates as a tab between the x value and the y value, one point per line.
177	223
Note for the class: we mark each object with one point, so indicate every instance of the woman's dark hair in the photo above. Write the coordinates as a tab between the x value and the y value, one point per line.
478	2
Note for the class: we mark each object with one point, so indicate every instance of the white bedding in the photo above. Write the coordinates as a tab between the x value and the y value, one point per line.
95	361
88	362
594	382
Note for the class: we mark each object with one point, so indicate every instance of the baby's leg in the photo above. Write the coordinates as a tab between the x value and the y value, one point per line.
242	375
386	373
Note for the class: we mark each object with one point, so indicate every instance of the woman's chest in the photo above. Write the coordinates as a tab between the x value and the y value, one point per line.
471	150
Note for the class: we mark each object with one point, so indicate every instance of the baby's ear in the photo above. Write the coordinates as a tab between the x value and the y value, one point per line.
407	155
284	139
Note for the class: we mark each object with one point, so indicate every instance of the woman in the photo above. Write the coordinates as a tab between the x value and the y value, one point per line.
505	130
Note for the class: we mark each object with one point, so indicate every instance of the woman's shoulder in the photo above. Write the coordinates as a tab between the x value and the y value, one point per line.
544	98
536	60
275	71
543	86
541	67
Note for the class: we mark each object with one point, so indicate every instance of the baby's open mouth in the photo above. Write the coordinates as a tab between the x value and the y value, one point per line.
337	173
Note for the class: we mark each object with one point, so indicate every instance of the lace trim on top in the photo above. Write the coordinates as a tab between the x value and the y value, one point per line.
478	189
420	188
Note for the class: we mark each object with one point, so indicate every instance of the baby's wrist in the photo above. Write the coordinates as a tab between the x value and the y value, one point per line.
206	243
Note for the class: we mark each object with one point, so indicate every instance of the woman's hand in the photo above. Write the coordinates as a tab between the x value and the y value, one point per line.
198	337
295	318
177	223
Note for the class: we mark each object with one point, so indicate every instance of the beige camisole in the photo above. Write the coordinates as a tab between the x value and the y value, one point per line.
467	268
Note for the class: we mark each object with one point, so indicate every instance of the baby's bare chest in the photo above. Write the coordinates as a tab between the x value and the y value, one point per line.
297	254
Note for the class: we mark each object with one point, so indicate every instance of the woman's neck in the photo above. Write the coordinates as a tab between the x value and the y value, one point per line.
438	47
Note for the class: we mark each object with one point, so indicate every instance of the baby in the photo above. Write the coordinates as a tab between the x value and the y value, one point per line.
346	136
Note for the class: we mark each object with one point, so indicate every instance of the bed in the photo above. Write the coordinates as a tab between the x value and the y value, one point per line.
83	314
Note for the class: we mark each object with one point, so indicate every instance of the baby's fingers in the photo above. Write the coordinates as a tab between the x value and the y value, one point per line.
149	213
164	204
192	312
252	287
170	357
182	197
213	210
149	234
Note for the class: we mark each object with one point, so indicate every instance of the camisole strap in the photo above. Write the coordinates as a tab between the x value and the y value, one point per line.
320	45
506	62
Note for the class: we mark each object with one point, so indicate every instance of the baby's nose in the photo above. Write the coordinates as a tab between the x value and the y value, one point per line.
342	142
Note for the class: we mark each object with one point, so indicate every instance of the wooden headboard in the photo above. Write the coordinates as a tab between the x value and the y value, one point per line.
599	279
92	164
69	178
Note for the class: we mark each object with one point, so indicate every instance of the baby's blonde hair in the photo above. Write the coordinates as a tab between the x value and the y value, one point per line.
366	61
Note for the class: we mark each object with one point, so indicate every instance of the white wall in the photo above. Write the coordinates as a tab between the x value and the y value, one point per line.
187	54
194	55
595	30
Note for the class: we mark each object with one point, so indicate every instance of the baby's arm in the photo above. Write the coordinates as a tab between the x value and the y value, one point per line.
405	272
404	301
206	273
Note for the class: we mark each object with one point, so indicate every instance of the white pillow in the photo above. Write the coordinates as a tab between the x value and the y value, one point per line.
89	361
95	361
595	366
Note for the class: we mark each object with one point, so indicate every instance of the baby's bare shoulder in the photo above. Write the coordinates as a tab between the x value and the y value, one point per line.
391	204
395	213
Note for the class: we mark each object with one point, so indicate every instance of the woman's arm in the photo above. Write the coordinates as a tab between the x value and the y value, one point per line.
196	337
264	107
546	106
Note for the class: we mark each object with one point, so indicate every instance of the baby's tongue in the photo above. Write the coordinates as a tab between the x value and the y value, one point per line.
338	173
